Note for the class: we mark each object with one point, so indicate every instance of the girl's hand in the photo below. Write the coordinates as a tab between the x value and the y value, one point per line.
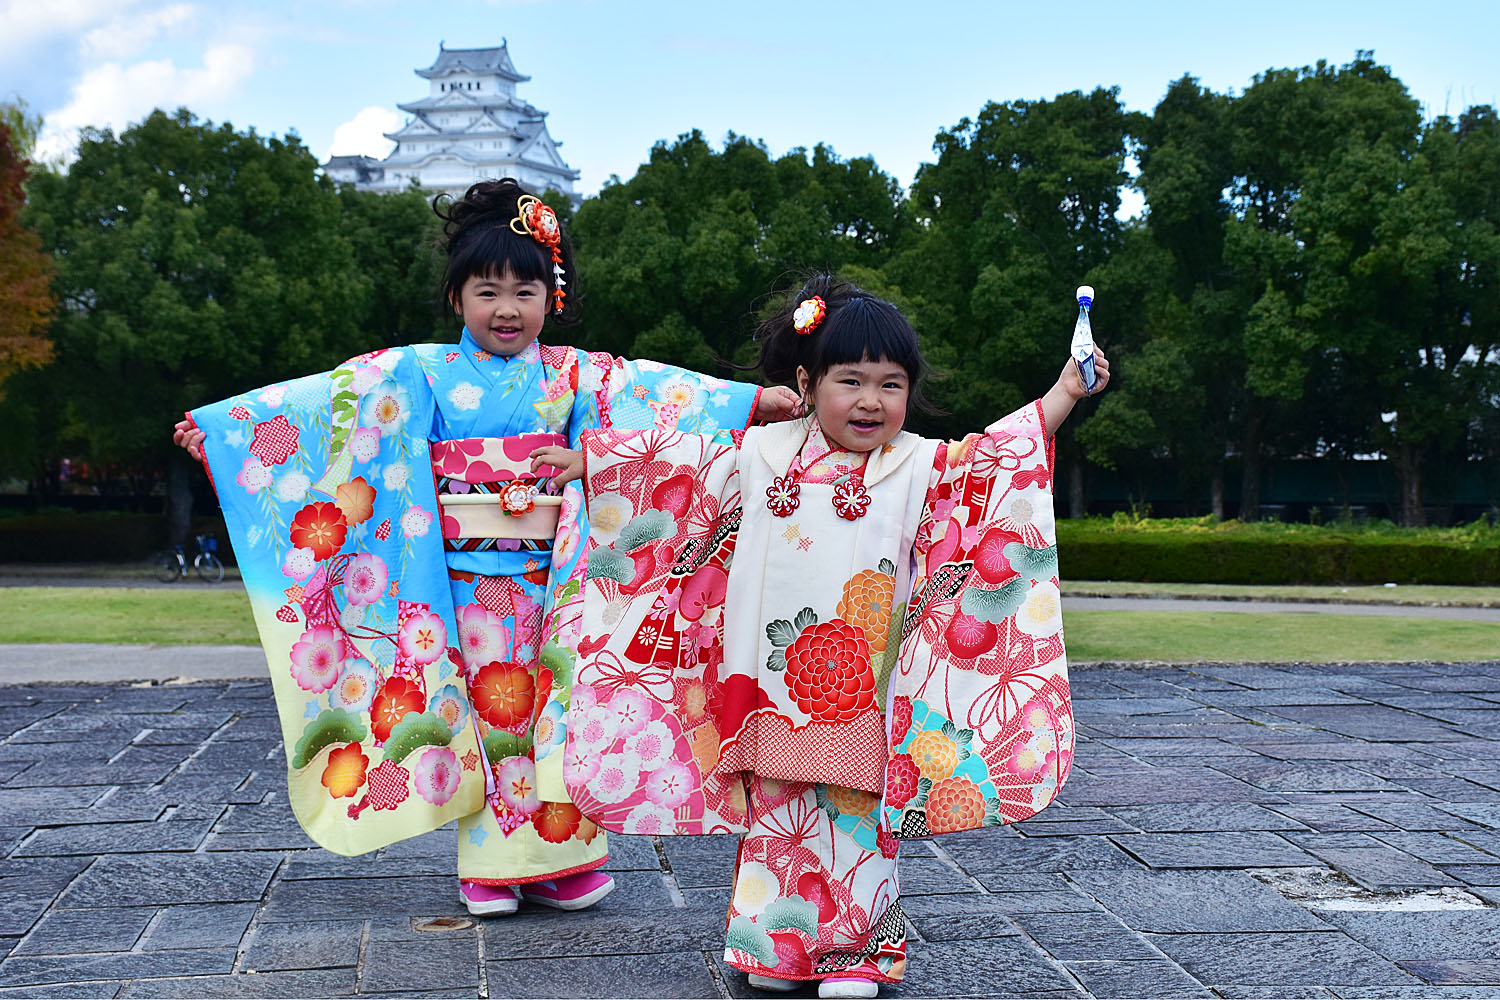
1071	378
779	402
568	461
185	434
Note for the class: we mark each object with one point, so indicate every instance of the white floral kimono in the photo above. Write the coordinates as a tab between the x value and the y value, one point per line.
752	648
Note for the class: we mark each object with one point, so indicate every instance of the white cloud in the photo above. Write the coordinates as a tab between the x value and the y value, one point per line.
128	34
364	134
28	23
113	94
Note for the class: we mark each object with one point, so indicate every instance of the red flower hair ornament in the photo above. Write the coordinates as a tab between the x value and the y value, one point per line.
538	221
809	315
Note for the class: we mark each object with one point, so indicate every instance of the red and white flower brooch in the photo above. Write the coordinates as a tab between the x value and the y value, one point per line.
850	499
517	498
809	314
783	495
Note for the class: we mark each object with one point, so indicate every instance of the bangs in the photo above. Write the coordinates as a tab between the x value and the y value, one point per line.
866	329
493	250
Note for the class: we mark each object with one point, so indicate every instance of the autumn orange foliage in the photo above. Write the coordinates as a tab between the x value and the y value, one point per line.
26	299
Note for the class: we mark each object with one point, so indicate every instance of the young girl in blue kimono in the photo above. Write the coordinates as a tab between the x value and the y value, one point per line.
509	272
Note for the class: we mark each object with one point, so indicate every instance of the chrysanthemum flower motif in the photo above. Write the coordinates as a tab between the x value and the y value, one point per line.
783	495
517	498
850	499
809	314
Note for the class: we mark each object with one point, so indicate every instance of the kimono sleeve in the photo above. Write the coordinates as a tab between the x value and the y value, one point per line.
345	574
642	743
645	394
980	710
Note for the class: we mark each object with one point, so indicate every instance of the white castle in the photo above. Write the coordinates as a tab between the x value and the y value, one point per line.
470	127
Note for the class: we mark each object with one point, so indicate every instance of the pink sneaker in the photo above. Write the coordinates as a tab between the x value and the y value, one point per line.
571	892
489	900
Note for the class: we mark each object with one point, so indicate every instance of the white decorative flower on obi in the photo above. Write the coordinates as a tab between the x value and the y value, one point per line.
1040	615
465	396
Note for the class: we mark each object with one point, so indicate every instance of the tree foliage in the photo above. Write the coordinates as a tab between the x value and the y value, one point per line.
26	300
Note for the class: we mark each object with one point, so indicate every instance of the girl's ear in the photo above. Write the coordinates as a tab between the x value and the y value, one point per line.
804	385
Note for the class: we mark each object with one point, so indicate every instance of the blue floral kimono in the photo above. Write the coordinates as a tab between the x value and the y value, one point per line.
422	666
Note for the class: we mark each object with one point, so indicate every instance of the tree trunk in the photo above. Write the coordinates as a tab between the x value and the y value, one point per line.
179	499
1216	492
1076	505
1409	468
1250	482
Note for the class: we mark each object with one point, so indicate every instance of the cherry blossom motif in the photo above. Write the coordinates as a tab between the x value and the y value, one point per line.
416	521
423	637
515	780
466	396
355	688
648	818
320	526
670	785
239	413
632	708
482	635
517	497
271	395
366	579
395	475
255	476
317	658
783	495
450	705
436	775
364	443
367	377
615	781
652	746
550	730
293	487
275	440
1040	615
386	406
580	764
850	499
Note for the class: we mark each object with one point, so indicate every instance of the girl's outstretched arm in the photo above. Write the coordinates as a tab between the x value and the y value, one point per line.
1068	390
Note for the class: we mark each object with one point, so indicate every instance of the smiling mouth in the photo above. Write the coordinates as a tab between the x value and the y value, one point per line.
505	331
865	425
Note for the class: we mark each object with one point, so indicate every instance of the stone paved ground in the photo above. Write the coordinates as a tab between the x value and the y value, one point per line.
148	851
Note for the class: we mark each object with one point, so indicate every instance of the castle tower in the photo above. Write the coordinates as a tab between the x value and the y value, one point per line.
471	126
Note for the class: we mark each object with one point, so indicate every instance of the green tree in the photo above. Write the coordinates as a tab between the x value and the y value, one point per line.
674	260
26	300
193	261
1019	208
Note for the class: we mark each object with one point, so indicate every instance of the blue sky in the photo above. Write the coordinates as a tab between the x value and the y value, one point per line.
867	78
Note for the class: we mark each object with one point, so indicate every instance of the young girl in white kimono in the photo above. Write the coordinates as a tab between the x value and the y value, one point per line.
826	635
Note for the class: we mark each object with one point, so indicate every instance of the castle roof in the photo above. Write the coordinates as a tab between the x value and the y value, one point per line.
492	61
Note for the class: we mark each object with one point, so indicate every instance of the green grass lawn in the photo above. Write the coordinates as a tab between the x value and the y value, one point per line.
155	615
1420	594
1239	636
169	617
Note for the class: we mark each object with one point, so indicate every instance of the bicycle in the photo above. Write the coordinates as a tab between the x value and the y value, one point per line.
172	564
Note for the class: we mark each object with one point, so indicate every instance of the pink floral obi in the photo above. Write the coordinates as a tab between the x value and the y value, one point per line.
489	496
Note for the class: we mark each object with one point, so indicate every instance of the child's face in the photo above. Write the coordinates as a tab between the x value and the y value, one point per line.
860	406
503	313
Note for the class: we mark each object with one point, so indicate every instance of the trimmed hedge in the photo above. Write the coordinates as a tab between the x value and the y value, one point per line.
68	537
1188	550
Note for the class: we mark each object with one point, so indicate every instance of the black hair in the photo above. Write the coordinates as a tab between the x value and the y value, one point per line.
479	241
857	327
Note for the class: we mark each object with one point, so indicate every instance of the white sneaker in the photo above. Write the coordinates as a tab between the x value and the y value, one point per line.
489	900
772	984
848	986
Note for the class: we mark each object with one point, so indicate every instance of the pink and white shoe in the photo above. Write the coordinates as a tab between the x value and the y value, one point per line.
489	900
848	986
571	892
